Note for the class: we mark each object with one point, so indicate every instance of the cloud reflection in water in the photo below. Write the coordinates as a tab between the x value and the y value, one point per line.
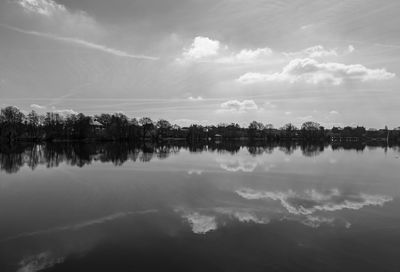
311	201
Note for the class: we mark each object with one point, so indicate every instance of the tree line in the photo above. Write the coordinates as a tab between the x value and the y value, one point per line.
52	126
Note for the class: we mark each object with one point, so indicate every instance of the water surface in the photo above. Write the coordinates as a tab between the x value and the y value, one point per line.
116	207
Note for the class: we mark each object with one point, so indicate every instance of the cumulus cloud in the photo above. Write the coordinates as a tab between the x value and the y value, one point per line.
239	106
333	112
204	49
201	224
317	51
311	201
314	72
37	107
43	7
246	56
193	98
195	172
63	112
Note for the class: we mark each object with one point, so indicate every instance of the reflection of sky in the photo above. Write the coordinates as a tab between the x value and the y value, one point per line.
39	262
311	201
70	210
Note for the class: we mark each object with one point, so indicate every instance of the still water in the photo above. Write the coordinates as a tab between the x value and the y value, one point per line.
114	207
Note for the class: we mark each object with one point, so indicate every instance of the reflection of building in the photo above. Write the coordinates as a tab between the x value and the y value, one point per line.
218	137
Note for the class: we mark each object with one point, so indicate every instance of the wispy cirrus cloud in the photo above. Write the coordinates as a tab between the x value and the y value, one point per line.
48	16
54	21
80	42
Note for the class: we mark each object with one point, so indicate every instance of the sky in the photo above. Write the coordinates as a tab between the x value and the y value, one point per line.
335	62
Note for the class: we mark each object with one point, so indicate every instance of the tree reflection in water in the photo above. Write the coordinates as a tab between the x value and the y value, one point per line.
15	156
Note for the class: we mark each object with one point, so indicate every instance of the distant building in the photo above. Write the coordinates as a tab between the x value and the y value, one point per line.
96	125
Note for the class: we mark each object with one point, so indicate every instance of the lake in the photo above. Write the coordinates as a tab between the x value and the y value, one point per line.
222	207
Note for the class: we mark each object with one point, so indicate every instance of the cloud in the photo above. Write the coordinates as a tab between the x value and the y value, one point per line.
80	225
51	17
239	106
80	42
313	72
201	224
333	112
317	221
63	112
37	107
311	201
187	122
247	217
246	56
195	171
235	164
202	47
43	7
39	262
317	51
305	27
198	98
242	215
304	118
269	105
